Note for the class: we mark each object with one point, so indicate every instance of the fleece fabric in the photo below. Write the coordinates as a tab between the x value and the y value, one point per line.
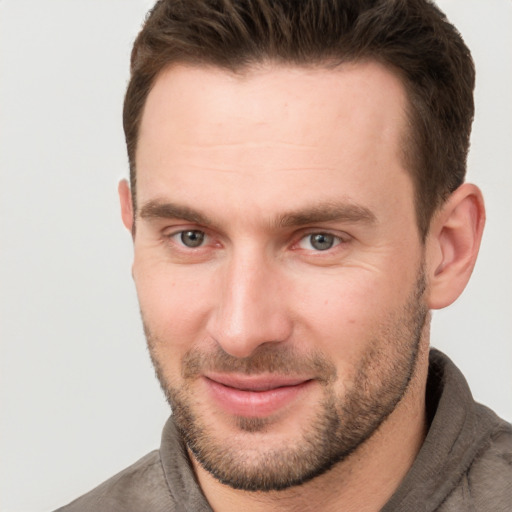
465	463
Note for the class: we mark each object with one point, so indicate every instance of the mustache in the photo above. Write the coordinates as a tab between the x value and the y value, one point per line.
265	359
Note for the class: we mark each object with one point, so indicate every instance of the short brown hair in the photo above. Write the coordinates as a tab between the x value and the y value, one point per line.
412	37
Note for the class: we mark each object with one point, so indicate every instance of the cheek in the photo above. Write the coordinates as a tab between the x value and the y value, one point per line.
174	302
344	313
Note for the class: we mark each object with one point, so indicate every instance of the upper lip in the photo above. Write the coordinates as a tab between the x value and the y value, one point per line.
255	382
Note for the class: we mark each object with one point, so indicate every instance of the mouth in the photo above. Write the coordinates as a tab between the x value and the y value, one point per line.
254	396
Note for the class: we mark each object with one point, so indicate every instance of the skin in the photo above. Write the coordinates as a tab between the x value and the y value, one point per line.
258	162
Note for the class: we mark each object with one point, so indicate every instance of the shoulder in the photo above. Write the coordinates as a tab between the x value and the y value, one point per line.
487	483
465	462
141	486
489	478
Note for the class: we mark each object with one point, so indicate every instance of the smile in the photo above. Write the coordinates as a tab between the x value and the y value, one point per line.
254	396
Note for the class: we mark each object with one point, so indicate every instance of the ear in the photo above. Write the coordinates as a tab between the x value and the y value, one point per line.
453	243
125	198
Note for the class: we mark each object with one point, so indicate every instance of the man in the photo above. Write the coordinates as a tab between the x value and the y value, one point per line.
297	205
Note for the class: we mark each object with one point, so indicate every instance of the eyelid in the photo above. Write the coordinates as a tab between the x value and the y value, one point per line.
340	237
173	233
179	237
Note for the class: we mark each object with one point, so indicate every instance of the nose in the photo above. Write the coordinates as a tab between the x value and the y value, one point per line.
252	306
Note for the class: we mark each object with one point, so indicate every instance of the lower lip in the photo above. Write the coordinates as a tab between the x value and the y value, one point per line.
254	404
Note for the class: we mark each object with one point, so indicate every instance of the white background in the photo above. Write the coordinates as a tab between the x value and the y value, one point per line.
77	394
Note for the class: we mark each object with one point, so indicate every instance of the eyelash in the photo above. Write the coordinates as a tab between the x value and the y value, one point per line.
308	238
337	240
179	234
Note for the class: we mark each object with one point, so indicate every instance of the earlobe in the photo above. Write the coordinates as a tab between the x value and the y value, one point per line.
453	244
125	199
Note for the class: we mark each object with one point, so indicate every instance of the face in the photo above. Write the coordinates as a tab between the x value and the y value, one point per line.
278	263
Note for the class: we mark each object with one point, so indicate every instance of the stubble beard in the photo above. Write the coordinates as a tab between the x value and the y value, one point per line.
342	424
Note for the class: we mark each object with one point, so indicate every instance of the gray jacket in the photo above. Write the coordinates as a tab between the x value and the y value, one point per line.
465	463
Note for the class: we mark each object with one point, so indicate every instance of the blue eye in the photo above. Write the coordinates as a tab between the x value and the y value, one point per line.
319	241
192	238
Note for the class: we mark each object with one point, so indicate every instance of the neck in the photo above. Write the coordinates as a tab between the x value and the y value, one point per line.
362	482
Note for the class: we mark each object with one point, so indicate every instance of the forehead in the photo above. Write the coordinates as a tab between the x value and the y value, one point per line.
272	131
261	95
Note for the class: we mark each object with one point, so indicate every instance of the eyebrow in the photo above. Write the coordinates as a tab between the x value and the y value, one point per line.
329	212
325	212
158	210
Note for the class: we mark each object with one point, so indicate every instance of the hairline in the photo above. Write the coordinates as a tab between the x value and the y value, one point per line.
410	157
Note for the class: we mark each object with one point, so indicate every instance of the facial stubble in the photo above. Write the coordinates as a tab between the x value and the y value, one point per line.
342	424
